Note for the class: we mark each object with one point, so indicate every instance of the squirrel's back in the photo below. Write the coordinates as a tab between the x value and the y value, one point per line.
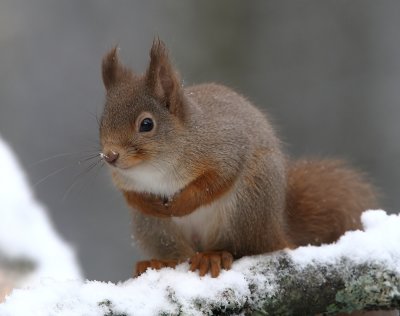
228	116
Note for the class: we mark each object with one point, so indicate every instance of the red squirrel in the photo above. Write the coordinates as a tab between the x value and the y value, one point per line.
205	175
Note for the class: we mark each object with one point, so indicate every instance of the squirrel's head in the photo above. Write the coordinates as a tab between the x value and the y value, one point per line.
144	114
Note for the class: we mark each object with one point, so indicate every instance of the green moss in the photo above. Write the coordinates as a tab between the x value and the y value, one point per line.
373	289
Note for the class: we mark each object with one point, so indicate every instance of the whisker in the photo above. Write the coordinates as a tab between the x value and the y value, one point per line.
50	158
69	165
78	177
59	156
97	155
98	171
50	175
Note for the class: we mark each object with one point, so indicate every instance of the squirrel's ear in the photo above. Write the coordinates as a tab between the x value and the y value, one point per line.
162	80
112	70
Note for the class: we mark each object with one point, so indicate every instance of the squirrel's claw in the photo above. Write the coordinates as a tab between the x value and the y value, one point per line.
211	261
142	266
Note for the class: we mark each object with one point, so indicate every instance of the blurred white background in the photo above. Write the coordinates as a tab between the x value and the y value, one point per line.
328	72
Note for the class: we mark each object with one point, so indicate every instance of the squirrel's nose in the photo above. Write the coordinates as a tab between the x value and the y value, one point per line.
111	157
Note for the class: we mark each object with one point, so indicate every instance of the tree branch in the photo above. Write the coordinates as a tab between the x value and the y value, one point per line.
360	272
313	289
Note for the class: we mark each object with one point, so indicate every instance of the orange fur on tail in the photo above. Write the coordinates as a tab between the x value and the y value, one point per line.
325	199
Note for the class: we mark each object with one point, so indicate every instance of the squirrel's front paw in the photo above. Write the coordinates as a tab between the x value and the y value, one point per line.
211	261
142	266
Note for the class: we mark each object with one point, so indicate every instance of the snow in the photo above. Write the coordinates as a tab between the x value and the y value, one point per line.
156	291
25	229
145	295
55	288
379	241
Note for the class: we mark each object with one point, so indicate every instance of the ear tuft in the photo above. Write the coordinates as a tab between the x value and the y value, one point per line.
162	79
112	70
158	63
158	50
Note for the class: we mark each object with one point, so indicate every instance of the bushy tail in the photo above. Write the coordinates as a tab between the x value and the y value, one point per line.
325	198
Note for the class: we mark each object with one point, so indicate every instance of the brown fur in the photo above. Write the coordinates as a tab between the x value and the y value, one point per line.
112	71
205	189
325	198
211	175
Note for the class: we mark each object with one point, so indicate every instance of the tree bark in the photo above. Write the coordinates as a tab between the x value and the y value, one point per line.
312	289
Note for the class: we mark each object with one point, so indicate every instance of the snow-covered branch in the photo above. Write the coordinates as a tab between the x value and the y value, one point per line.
360	271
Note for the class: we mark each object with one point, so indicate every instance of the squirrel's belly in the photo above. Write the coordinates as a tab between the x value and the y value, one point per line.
206	226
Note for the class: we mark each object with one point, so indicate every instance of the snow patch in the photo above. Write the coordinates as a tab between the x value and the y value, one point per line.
158	291
25	229
149	294
378	242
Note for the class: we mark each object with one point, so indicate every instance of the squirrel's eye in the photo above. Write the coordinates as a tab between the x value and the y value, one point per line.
146	125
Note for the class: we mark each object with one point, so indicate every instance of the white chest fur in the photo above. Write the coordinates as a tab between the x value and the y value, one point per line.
202	228
198	226
152	179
